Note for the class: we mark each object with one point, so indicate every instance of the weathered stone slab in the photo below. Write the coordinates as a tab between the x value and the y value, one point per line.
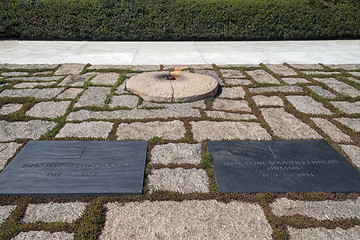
175	106
186	220
324	233
228	131
76	80
234	92
308	105
293	81
167	130
231	73
93	96
10	108
319	73
54	212
73	169
235	81
98	129
193	66
285	89
261	76
179	180
281	166
48	109
261	100
307	66
353	123
129	67
129	101
353	152
36	79
339	86
7	150
344	66
211	73
43	73
42	235
70	68
14	74
281	69
347	107
45	93
355	73
321	210
121	88
231	105
286	126
33	129
5	212
331	130
322	92
28	66
34	84
176	153
106	78
354	80
70	93
231	116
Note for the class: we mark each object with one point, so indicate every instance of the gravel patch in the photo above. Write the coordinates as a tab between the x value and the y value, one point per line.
54	212
33	129
331	130
48	109
7	150
185	220
261	100
353	123
70	93
70	68
286	126
46	93
86	130
347	107
167	130
353	152
262	76
14	74
323	233
93	96
5	212
339	86
234	92
176	153
285	89
292	81
129	101
235	81
231	105
231	116
322	92
321	210
34	84
76	80
179	180
106	78
228	131
42	235
231	73
308	105
281	69
10	108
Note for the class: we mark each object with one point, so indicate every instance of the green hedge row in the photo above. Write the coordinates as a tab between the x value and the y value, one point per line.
179	19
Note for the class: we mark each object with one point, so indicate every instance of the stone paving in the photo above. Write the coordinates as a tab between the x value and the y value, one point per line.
255	102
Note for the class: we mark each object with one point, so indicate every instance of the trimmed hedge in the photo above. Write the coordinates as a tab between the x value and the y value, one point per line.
179	19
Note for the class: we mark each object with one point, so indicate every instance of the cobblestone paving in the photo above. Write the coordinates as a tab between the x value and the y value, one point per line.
180	198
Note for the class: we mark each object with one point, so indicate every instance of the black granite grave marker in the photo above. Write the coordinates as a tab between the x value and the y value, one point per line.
76	168
281	166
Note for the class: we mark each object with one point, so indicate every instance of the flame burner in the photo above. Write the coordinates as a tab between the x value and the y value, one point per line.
171	77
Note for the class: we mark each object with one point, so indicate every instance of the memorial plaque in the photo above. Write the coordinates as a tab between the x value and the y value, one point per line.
76	168
281	166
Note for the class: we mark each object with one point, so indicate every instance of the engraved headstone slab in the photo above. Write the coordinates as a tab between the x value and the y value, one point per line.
281	166
76	168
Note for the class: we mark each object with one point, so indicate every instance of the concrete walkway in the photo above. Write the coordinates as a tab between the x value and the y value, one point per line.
146	53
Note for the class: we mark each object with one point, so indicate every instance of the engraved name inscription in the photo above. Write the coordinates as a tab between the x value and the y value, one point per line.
75	165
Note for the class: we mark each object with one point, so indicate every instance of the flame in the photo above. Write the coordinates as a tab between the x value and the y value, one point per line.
176	71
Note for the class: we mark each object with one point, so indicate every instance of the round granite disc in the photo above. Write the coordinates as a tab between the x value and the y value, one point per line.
153	86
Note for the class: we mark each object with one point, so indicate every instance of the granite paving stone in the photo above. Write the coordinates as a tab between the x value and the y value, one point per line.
167	130
354	80
70	68
34	84
339	86
331	130
33	129
176	153
54	212
43	73
355	73
193	66
7	150
238	65
98	129
281	69
14	74
319	73
76	80
93	96
353	123
231	116
322	92
284	89
308	105
344	66
45	93
307	66
36	79
28	66
353	152
203	130
42	235
211	73
261	100
323	233
48	109
10	108
70	93
321	210
179	180
234	92
347	107
129	67
129	101
292	81
188	105
286	126
121	88
5	212
231	105
262	76
231	73
185	220
235	81
105	78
